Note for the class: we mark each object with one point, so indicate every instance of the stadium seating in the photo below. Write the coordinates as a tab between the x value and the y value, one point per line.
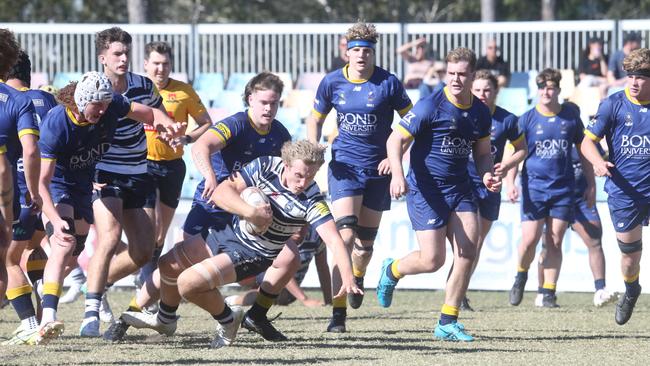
229	100
209	85
303	100
309	80
515	100
237	81
290	118
217	114
38	79
287	80
62	79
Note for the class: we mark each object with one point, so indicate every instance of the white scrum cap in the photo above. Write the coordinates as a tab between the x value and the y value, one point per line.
93	87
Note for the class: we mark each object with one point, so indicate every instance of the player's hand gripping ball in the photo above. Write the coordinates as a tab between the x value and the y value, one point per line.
254	197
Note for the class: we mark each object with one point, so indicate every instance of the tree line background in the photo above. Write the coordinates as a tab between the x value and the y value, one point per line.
316	11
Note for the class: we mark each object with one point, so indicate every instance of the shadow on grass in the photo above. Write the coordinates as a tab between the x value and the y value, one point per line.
237	361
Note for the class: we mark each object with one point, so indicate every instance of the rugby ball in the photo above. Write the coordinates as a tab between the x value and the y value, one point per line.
254	197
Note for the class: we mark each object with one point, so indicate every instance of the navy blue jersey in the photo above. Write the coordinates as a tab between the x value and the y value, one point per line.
17	118
364	114
243	144
548	166
504	127
290	211
625	123
77	146
128	152
444	134
42	100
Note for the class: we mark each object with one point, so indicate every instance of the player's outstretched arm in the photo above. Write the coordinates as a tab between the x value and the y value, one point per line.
327	231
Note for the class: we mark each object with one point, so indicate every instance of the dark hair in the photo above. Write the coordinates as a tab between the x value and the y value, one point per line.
548	74
104	38
9	49
162	48
591	41
632	37
263	81
22	69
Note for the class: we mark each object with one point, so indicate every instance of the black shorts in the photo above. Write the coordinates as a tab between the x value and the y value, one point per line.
135	191
167	176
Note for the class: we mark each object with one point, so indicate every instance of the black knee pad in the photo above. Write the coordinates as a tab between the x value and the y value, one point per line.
367	233
629	248
347	222
81	244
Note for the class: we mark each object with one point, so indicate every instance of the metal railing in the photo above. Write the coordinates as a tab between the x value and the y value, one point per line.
298	48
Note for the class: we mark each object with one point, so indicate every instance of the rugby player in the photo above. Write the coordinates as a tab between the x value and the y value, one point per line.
548	183
445	128
623	120
227	146
123	185
504	127
365	97
295	199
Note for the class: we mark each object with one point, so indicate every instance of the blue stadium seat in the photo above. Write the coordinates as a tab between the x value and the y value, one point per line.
192	177
62	79
290	118
519	80
515	100
237	81
208	85
229	100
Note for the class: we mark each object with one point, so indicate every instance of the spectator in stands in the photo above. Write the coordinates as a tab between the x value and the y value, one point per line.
342	59
616	75
593	67
433	79
495	63
417	63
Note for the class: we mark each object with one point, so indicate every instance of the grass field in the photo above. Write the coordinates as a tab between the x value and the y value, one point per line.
577	334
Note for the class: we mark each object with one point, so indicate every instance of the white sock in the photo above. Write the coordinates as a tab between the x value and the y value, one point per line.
29	323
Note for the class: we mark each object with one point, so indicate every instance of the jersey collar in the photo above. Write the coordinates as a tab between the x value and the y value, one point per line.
74	120
545	114
633	100
250	120
461	106
346	74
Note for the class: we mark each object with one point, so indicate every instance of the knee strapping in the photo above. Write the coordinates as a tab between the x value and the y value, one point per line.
347	222
181	258
629	248
204	272
367	233
363	251
167	280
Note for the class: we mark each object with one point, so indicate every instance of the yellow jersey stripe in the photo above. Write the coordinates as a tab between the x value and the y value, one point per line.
592	136
28	131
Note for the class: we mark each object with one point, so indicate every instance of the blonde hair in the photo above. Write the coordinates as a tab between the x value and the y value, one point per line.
638	59
462	54
65	97
308	152
362	30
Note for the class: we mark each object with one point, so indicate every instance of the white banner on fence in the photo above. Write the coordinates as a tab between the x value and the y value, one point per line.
498	262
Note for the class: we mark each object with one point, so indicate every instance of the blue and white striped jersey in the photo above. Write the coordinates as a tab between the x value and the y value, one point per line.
128	151
290	211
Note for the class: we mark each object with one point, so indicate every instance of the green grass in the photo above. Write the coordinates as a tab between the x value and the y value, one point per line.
577	333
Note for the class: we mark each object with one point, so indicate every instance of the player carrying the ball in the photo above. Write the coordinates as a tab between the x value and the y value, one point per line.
295	199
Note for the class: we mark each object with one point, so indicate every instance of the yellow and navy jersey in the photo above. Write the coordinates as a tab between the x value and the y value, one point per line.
243	143
180	101
128	152
550	137
290	211
505	127
17	118
625	123
443	135
77	146
364	114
